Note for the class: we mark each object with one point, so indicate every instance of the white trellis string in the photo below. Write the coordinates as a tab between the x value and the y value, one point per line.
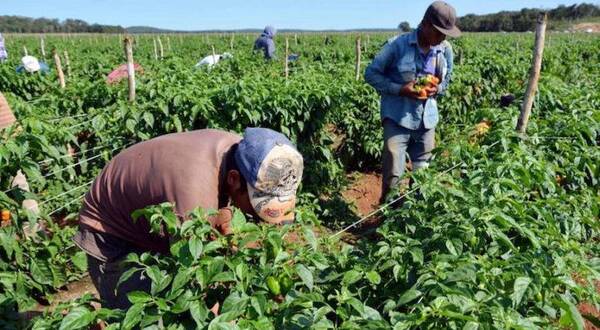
400	197
66	192
64	206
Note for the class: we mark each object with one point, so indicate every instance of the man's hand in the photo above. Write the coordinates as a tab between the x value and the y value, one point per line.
222	221
431	90
424	93
408	90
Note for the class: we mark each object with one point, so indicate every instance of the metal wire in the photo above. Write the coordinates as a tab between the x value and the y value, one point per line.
399	198
80	124
73	165
66	192
71	155
69	117
67	204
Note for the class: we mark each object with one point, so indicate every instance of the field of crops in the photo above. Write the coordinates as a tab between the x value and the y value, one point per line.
501	232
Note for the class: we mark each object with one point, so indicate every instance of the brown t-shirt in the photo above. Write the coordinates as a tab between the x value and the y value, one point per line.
182	168
7	118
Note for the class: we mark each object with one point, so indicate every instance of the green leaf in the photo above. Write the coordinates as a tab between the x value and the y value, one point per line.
199	313
133	316
177	123
451	248
130	125
235	304
520	286
79	259
78	318
305	275
196	247
373	277
138	297
181	279
351	277
409	296
238	221
570	317
40	271
126	275
310	237
471	326
149	118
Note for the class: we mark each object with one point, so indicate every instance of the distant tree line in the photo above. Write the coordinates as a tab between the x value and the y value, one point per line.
525	20
19	24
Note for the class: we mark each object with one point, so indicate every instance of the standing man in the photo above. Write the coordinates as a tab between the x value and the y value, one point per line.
3	52
409	113
212	169
265	43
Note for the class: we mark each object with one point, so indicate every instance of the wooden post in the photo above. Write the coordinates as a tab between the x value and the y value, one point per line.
231	41
67	63
160	48
127	44
214	54
25	51
287	58
59	70
42	47
534	75
296	39
155	50
358	54
365	44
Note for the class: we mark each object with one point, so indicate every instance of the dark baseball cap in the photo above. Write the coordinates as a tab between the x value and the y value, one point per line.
443	17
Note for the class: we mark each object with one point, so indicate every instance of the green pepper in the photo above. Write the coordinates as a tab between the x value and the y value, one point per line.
273	285
286	283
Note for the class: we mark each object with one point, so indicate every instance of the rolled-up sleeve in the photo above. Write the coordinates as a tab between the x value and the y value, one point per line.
449	56
375	74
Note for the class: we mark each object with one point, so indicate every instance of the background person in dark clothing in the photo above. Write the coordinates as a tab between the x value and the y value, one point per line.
265	42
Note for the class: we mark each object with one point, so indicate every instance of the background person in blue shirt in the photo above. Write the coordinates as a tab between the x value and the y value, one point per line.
409	119
265	42
3	52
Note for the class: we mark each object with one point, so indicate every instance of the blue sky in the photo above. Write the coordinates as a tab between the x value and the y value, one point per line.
236	14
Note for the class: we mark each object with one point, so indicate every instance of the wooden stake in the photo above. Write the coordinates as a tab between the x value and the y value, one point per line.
155	50
67	63
61	75
358	54
231	41
43	48
287	58
534	75
296	39
25	51
160	48
127	44
213	53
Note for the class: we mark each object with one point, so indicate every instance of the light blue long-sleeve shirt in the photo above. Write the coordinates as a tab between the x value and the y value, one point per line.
399	63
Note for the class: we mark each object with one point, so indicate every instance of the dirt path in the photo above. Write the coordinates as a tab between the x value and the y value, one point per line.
589	309
72	291
364	192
